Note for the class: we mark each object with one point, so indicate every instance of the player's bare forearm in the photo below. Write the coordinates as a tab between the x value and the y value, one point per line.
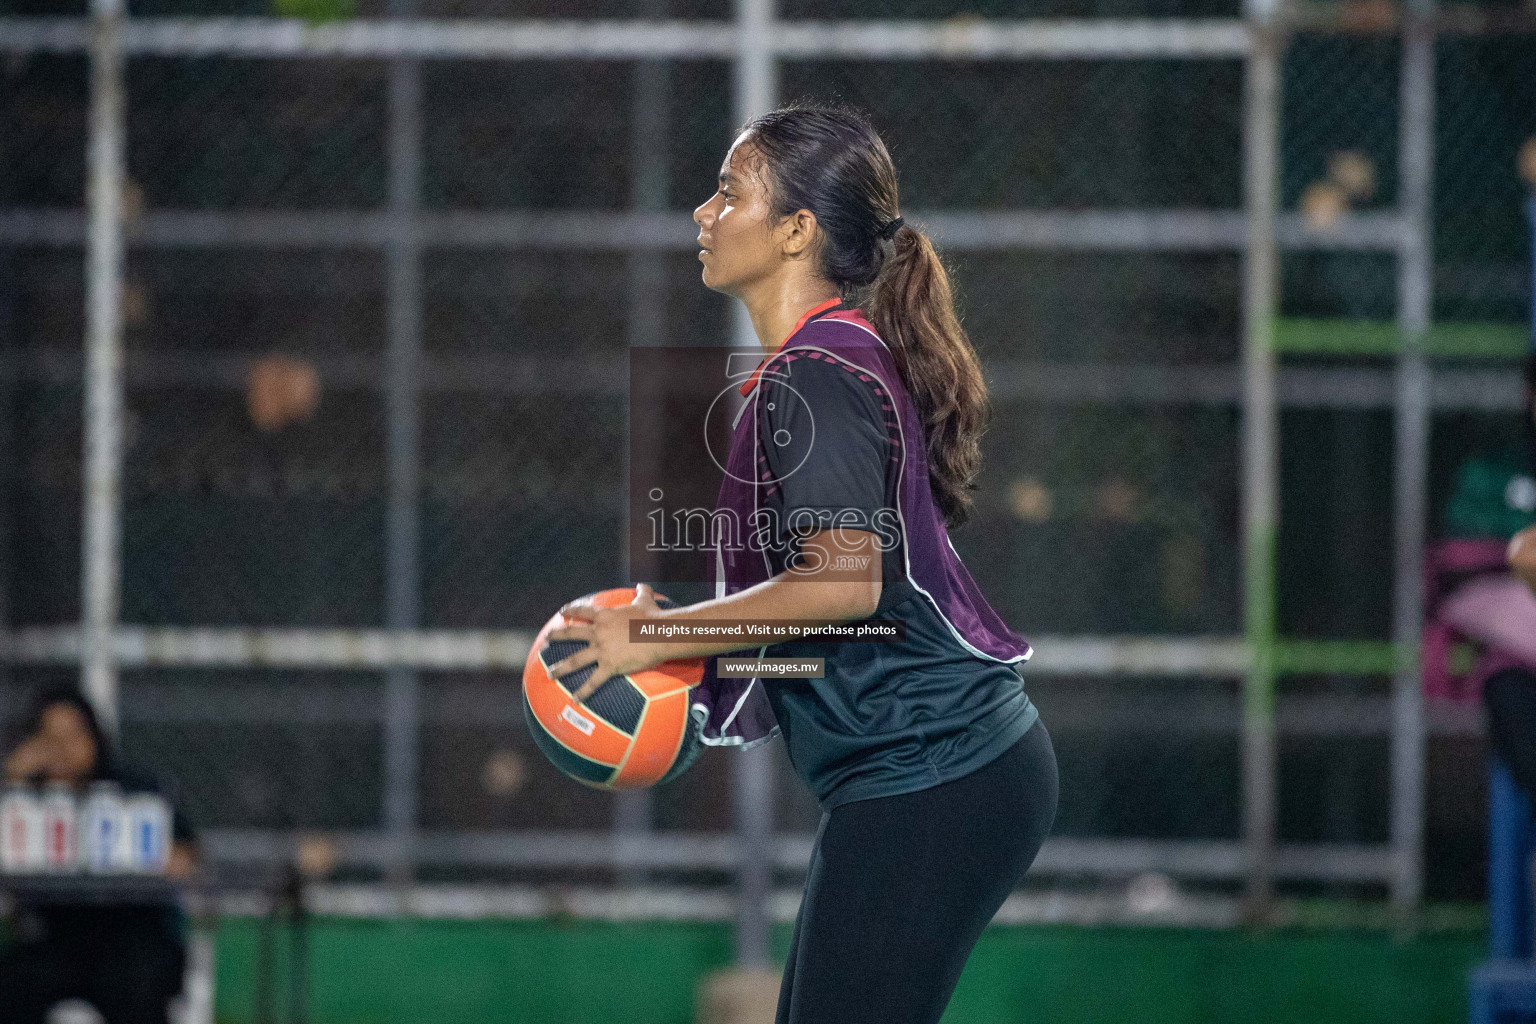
837	581
1522	556
845	586
782	597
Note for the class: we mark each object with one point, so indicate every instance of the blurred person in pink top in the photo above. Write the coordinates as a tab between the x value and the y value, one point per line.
1522	556
1495	497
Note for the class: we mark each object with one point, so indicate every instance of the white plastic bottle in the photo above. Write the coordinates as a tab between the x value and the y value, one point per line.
60	828
149	828
105	841
22	848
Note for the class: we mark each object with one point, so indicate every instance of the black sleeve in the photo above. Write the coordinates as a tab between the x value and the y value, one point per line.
823	437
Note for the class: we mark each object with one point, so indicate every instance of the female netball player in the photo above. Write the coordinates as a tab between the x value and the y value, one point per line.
855	450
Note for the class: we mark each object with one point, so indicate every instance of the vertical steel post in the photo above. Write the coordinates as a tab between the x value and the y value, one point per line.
1530	213
1415	270
101	562
402	558
1260	447
756	93
647	273
9	458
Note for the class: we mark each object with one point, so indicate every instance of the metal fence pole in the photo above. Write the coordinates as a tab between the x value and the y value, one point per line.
101	568
1260	443
647	274
756	93
1530	213
9	460
1415	269
402	687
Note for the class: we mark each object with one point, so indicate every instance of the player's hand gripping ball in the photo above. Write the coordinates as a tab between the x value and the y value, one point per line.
600	707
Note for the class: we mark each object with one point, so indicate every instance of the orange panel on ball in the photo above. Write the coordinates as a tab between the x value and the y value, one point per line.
657	740
669	677
569	722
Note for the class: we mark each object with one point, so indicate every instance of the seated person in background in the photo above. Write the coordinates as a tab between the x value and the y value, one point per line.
126	960
1496	497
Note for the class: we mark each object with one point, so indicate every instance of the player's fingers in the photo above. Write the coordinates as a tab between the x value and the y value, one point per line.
576	631
588	688
565	666
643	594
579	609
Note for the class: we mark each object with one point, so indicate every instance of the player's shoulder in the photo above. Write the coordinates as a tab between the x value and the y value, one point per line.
838	341
841	330
815	373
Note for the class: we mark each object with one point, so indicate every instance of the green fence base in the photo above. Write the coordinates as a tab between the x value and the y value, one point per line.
1337	337
452	972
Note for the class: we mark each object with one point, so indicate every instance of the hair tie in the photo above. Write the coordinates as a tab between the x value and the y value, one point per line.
889	231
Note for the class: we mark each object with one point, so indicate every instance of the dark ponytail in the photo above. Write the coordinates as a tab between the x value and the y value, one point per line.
831	161
913	309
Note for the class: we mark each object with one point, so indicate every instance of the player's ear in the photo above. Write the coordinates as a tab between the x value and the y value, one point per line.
798	233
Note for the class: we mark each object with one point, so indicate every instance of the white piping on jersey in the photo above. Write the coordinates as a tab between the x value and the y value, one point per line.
719	570
723	740
761	651
1029	651
701	712
906	547
743	408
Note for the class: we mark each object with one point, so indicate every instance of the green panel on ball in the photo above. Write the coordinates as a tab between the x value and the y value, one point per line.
568	761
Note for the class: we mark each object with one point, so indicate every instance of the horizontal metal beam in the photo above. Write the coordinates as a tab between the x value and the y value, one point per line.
1202	711
574	375
470	650
1188	658
1220	657
677	903
1040	383
1126	230
1060	856
867	39
953	39
1124	906
989	39
169	647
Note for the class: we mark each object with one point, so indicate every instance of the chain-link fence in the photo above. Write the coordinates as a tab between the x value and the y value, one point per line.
375	316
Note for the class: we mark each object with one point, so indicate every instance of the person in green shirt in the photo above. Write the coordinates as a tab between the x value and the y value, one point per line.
1494	495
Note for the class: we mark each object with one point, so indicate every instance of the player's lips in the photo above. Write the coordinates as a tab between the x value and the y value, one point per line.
703	249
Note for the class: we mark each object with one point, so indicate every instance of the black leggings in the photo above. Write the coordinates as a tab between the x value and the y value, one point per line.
900	888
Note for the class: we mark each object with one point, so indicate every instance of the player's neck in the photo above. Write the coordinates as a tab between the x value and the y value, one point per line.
777	305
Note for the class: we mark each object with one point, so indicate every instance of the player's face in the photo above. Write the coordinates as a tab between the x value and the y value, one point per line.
736	241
